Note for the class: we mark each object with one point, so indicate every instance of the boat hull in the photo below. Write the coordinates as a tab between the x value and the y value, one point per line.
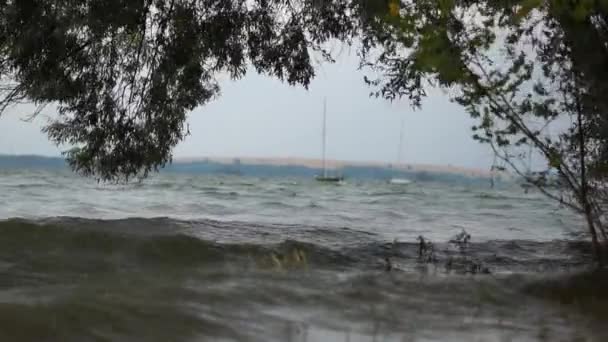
329	179
400	181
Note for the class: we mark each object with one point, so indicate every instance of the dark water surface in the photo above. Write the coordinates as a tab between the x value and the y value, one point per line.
196	258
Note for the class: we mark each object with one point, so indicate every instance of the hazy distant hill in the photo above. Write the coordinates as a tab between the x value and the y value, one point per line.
31	161
337	164
261	167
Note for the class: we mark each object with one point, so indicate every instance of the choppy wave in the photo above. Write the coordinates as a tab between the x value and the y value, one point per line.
277	204
166	240
504	197
75	279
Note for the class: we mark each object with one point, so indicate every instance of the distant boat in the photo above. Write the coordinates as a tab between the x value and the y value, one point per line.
330	179
399	181
396	180
325	177
527	181
544	179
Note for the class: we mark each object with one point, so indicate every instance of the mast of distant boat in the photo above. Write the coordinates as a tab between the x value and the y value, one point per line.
398	165
324	136
528	175
400	148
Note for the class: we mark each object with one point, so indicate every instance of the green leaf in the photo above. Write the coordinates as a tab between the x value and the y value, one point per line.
526	7
555	159
583	9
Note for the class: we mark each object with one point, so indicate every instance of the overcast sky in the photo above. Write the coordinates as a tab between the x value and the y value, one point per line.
262	117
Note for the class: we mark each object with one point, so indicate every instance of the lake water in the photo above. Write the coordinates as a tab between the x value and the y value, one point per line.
196	258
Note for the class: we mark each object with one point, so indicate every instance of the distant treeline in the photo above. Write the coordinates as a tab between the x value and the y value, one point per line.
260	170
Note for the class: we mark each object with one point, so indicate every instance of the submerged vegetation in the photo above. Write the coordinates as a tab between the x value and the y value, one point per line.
456	256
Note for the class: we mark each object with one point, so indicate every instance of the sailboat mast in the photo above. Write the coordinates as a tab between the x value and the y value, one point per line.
530	160
400	148
324	135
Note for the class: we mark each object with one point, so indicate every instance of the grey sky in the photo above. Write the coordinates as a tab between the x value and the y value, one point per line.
262	117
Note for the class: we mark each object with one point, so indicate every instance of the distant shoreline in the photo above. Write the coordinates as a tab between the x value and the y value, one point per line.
336	164
181	163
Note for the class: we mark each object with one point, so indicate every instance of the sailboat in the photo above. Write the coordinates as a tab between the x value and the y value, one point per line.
395	180
325	177
544	179
527	181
